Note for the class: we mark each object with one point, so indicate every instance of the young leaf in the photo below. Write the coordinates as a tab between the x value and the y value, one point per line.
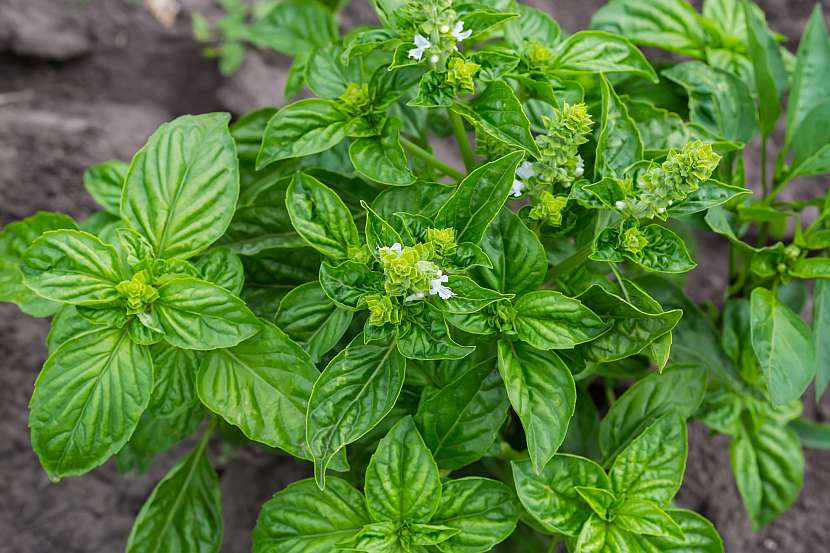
699	536
619	145
710	194
550	320
532	24
181	189
73	267
811	144
294	27
202	316
310	318
402	481
223	268
88	400
519	260
550	495
105	183
651	467
357	389
821	335
483	511
479	198
812	73
304	518
600	536
347	283
381	158
600	52
665	253
300	129
184	512
379	233
320	217
424	335
460	421
645	518
783	345
770	75
469	297
543	394
262	386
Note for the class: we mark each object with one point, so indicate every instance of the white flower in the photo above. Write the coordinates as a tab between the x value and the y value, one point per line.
396	247
525	170
459	33
437	287
434	58
661	210
421	45
517	188
444	28
414	297
580	166
619	204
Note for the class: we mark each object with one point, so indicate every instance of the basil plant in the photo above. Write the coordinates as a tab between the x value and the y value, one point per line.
495	358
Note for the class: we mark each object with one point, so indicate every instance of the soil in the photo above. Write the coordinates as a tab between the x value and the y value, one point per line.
83	81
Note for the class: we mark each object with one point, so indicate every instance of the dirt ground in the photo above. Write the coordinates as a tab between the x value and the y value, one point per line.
83	81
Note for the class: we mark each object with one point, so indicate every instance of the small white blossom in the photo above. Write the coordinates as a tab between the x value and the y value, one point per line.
525	170
661	210
434	58
517	188
421	45
396	247
414	297
437	287
444	28
580	166
459	33
619	204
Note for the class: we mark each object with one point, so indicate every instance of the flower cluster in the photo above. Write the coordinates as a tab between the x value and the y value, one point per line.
138	293
356	99
438	31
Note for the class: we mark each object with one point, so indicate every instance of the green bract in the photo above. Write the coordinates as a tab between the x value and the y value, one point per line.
435	341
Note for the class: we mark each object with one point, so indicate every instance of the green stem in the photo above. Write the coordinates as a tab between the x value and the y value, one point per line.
764	183
619	278
203	441
569	264
430	159
463	141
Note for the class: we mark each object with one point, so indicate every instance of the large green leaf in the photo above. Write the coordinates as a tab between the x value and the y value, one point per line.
73	267
105	183
181	189
600	52
619	144
768	465
811	77
811	143
599	536
550	495
645	519
320	217
402	481
381	158
247	132
310	318
651	467
672	25
543	394
679	389
300	129
15	239
357	389
184	512
174	411
532	24
262	386
546	319
821	335
88	400
784	346
699	536
304	518
424	335
770	75
294	27
483	510
519	260
421	198
479	198
460	421
202	316
346	284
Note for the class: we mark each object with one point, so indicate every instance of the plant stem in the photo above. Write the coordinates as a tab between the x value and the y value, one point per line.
764	183
203	441
461	137
618	276
433	161
569	264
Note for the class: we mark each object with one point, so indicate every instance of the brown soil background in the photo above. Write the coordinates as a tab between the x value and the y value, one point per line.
83	81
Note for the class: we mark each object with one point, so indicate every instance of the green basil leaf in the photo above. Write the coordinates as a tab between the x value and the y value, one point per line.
483	511
310	318
304	518
261	386
699	536
479	198
66	324
320	217
424	335
671	25
300	129
532	24
381	158
768	465
550	495
105	183
202	316
181	189
770	75
519	260
543	394
812	144
550	320
357	389
812	74
460	421
645	518
379	233
598	499
347	283
469	297
599	536
600	52
784	346
821	335
71	266
651	466
498	113
184	512
421	198
15	239
679	389
174	411
223	268
718	101
328	76
811	268
619	145
710	194
402	481
247	133
89	376
665	253
293	27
